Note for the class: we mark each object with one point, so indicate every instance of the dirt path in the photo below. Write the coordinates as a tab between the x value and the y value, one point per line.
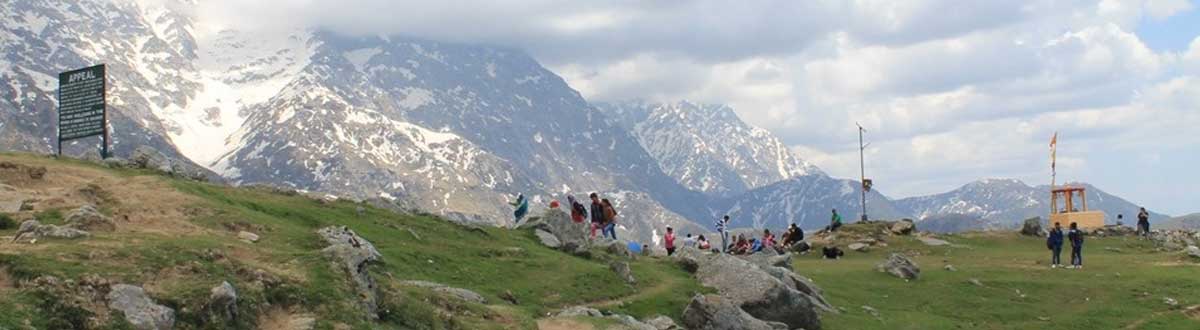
282	319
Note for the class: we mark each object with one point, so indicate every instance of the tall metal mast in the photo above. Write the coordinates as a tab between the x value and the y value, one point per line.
862	168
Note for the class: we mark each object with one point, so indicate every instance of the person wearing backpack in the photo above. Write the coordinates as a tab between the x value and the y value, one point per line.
1076	237
1054	242
597	214
610	220
578	212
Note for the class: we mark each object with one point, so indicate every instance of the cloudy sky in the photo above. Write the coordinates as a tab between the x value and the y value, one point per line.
949	91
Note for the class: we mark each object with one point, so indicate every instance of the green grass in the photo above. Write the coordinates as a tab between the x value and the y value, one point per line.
1107	294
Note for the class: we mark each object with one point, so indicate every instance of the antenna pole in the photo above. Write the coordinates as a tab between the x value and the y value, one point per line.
862	170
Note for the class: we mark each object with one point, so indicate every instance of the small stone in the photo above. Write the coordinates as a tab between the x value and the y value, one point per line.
1170	302
860	247
248	236
975	281
950	268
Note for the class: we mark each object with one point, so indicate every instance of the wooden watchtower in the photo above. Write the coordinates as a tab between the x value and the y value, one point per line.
1068	211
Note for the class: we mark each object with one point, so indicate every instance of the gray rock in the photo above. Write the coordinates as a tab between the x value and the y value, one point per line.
901	266
148	158
11	201
871	311
139	310
623	271
616	248
31	229
800	247
117	162
757	292
712	312
930	241
950	268
248	236
903	227
547	238
631	323
222	303
662	323
457	293
804	285
578	311
860	247
1033	227
88	218
1193	251
353	254
975	282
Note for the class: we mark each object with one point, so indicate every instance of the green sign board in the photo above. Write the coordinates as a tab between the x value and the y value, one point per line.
81	105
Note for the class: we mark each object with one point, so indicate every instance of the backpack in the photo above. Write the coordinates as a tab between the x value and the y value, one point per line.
579	208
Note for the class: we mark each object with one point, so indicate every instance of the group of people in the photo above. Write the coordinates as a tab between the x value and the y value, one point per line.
1054	242
602	214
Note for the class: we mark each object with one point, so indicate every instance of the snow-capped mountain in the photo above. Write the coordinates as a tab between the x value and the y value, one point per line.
150	65
706	147
1004	203
748	172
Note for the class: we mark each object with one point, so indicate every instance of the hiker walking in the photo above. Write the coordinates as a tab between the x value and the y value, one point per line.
722	227
669	241
610	220
1054	242
1143	222
597	213
835	221
1076	238
578	211
522	207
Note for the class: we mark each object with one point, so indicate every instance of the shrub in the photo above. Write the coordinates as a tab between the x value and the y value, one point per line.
7	222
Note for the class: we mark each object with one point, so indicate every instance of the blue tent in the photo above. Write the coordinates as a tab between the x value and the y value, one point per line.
635	247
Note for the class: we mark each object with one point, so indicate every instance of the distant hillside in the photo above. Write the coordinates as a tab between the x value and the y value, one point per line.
1190	221
1004	203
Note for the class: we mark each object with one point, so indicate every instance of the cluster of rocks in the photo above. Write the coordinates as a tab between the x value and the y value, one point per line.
78	223
658	322
1185	241
758	291
1113	230
1033	227
145	157
354	254
555	229
101	298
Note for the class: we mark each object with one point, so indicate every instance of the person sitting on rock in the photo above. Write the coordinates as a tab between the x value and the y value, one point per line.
768	239
756	246
832	252
689	241
792	235
742	245
835	221
702	243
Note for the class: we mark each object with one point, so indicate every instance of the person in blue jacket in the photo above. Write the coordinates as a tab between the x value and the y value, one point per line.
1076	237
1054	242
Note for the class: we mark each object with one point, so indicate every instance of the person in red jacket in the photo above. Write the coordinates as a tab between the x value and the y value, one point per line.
669	241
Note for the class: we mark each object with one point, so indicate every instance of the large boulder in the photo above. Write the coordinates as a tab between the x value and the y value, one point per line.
712	312
353	254
88	218
139	310
901	266
623	271
804	285
1033	227
903	227
571	237
222	303
149	158
757	292
1193	251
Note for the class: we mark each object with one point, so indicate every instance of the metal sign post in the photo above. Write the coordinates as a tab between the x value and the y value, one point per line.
82	107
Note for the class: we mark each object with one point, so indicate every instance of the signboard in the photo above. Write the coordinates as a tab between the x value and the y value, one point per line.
81	106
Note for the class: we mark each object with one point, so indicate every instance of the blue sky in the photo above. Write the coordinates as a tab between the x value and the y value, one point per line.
951	91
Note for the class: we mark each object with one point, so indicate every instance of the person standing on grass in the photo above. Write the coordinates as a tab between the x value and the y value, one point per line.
597	213
1076	237
1144	222
1054	242
722	227
610	220
669	241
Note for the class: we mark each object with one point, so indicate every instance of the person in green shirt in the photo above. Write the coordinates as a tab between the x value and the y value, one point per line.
835	221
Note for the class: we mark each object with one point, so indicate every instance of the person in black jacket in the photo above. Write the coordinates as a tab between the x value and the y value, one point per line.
1143	222
597	213
1076	238
1054	242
